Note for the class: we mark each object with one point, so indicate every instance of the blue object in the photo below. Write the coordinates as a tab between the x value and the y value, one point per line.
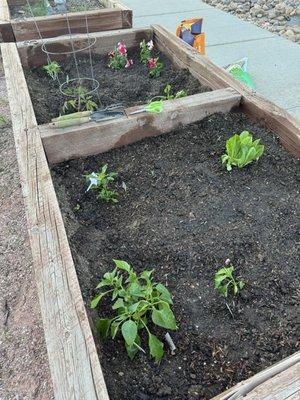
196	28
187	37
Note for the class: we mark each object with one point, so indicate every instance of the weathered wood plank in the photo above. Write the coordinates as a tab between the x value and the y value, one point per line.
74	364
6	31
33	56
283	377
94	138
256	106
283	386
56	25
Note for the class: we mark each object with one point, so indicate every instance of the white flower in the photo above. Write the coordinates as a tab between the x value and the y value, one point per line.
150	45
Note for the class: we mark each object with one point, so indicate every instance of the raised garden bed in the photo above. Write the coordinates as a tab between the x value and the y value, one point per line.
181	214
17	23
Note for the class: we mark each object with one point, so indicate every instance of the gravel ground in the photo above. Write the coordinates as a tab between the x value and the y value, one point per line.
281	17
24	371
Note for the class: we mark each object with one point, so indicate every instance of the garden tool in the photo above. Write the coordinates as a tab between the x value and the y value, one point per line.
239	71
82	117
153	107
189	31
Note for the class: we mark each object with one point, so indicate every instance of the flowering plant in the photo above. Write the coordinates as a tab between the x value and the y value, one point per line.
146	49
155	67
118	58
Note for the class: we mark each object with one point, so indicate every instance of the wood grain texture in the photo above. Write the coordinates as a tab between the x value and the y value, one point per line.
277	382
94	138
74	364
114	16
256	106
6	31
33	56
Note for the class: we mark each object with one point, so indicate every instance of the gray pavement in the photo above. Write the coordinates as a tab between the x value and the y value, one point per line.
274	62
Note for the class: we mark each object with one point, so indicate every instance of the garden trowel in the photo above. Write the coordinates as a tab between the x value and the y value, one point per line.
82	117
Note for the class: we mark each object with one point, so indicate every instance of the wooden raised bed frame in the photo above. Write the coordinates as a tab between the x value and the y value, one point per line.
73	359
115	15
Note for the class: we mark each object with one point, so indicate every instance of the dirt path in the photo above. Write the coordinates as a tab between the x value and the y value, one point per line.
24	371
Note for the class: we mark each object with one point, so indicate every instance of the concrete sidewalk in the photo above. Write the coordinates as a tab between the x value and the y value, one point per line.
274	62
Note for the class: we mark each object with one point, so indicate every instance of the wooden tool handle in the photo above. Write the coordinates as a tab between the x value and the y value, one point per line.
65	123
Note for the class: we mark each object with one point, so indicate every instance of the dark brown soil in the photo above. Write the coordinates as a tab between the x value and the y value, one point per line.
183	215
23	11
130	86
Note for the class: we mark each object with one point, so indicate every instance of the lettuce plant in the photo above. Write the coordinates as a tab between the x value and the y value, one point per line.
241	150
224	280
136	300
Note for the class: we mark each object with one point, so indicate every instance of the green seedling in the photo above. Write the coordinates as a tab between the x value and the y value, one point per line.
101	181
224	280
241	150
82	101
52	69
136	300
168	91
38	8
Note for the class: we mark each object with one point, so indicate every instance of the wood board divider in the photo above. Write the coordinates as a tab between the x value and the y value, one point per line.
74	363
94	138
253	104
115	15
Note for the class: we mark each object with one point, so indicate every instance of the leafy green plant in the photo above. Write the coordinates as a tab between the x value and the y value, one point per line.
224	280
118	58
241	150
136	299
81	102
168	91
146	49
3	121
52	69
155	66
38	8
101	181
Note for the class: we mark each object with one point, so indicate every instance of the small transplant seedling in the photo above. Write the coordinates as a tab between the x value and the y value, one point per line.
168	91
146	49
155	66
136	299
82	101
224	280
118	58
100	181
52	69
241	150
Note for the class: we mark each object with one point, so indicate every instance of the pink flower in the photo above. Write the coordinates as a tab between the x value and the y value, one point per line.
152	63
150	45
129	63
122	48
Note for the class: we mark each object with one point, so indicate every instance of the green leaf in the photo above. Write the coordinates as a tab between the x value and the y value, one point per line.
164	293
118	304
146	275
156	347
129	332
122	265
133	349
241	284
96	300
134	289
114	328
164	317
102	326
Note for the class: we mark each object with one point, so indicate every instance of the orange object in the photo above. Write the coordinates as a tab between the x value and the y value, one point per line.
199	39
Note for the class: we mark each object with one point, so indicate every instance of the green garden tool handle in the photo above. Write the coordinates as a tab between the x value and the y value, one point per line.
65	123
76	115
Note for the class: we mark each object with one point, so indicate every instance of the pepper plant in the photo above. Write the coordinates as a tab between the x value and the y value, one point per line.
101	181
136	300
241	150
52	69
224	280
